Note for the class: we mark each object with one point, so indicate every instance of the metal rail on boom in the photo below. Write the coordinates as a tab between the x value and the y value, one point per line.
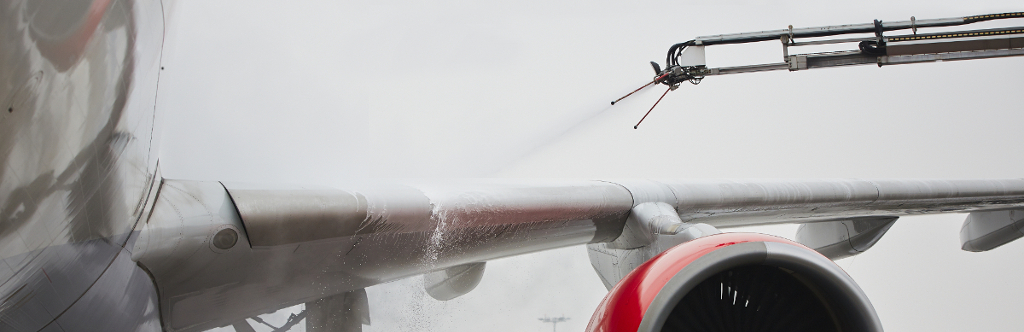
685	62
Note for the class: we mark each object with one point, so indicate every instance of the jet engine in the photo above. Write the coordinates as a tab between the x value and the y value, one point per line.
736	282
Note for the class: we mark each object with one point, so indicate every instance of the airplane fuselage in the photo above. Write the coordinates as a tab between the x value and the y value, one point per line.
77	162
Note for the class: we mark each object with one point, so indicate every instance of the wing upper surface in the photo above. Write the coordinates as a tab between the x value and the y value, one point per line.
276	217
730	203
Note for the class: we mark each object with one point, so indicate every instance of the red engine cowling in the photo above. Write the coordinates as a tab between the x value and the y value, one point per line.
736	282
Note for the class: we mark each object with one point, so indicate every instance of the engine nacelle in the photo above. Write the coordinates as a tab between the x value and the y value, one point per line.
736	282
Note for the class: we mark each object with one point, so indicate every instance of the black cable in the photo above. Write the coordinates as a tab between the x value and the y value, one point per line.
671	59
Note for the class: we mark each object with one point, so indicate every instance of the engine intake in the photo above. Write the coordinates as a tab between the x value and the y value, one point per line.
736	282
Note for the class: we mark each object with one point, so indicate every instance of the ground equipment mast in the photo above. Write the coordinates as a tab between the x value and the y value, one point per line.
685	62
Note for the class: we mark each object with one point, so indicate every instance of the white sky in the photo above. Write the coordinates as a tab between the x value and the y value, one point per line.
321	92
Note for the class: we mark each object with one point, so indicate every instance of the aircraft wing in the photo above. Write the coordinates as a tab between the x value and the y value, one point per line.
220	253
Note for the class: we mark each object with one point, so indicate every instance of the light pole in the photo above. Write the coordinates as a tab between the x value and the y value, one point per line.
554	321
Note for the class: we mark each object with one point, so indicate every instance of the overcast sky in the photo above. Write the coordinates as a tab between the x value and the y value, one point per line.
323	92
